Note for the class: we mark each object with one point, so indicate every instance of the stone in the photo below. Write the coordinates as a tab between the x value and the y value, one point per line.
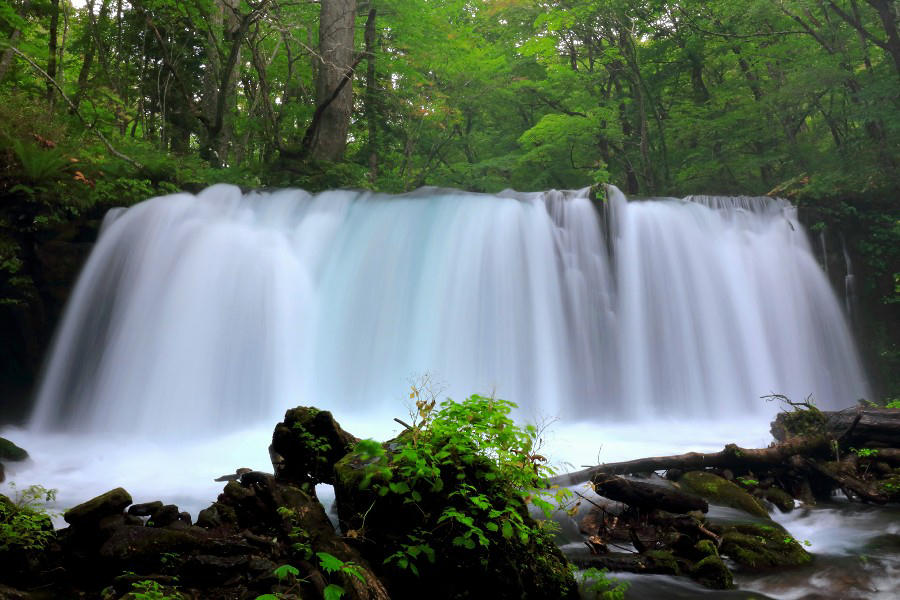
144	509
308	443
10	452
163	516
762	546
720	491
91	512
712	573
779	498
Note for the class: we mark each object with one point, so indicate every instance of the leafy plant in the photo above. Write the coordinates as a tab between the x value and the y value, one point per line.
598	583
483	466
24	521
152	590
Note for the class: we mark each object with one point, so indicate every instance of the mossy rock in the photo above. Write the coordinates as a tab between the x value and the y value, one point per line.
11	452
309	442
780	498
890	487
712	573
706	548
662	561
721	491
762	546
89	513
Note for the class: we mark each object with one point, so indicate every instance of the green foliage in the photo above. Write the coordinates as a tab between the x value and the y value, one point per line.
24	522
598	584
865	452
152	590
472	454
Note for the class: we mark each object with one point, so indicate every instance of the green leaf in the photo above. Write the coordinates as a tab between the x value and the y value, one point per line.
332	592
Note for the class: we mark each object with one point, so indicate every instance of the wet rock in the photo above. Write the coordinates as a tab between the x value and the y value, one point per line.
144	509
217	515
10	452
712	573
720	491
91	512
761	546
164	516
309	442
779	498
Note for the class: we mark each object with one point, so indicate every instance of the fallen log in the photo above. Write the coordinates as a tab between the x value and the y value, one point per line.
732	456
855	426
646	496
843	479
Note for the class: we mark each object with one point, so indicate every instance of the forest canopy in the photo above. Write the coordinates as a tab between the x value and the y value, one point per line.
658	97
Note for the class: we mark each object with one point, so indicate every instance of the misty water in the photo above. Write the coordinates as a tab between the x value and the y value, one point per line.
638	328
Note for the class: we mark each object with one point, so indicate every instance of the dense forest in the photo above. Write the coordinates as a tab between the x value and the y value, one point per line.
105	103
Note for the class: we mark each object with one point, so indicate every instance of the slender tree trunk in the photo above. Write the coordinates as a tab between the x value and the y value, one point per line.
336	25
51	49
371	117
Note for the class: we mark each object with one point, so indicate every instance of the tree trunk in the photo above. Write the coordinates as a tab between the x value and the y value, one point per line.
371	117
51	48
336	25
85	71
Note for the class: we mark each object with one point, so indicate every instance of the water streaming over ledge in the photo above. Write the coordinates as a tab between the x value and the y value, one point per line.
211	312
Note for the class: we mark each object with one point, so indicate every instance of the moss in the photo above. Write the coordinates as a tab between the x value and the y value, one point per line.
779	498
9	451
762	546
721	491
890	487
712	573
706	548
662	561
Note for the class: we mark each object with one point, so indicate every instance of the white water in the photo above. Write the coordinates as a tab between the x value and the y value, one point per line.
203	315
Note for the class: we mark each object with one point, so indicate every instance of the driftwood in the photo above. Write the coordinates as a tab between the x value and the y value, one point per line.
732	456
646	496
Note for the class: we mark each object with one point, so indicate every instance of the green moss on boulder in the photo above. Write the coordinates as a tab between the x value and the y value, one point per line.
91	512
712	573
780	498
762	546
9	451
721	491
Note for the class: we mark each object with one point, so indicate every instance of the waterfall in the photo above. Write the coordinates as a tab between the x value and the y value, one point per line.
205	313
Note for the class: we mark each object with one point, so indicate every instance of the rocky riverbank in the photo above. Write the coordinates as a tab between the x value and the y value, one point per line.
464	534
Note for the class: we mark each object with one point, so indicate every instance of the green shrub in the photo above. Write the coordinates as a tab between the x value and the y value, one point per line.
24	522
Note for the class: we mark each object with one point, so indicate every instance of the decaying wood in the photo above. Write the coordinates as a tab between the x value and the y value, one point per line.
646	496
731	456
843	478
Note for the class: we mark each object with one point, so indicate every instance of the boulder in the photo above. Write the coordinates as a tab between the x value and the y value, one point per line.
712	573
91	512
762	546
10	452
308	443
144	509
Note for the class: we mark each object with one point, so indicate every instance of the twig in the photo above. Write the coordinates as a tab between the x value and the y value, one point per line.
404	424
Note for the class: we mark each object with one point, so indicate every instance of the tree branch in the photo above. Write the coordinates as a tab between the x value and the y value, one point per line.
76	112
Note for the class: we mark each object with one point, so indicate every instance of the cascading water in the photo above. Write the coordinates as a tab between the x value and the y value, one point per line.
201	314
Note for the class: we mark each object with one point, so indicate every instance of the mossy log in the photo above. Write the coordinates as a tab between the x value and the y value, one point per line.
732	456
